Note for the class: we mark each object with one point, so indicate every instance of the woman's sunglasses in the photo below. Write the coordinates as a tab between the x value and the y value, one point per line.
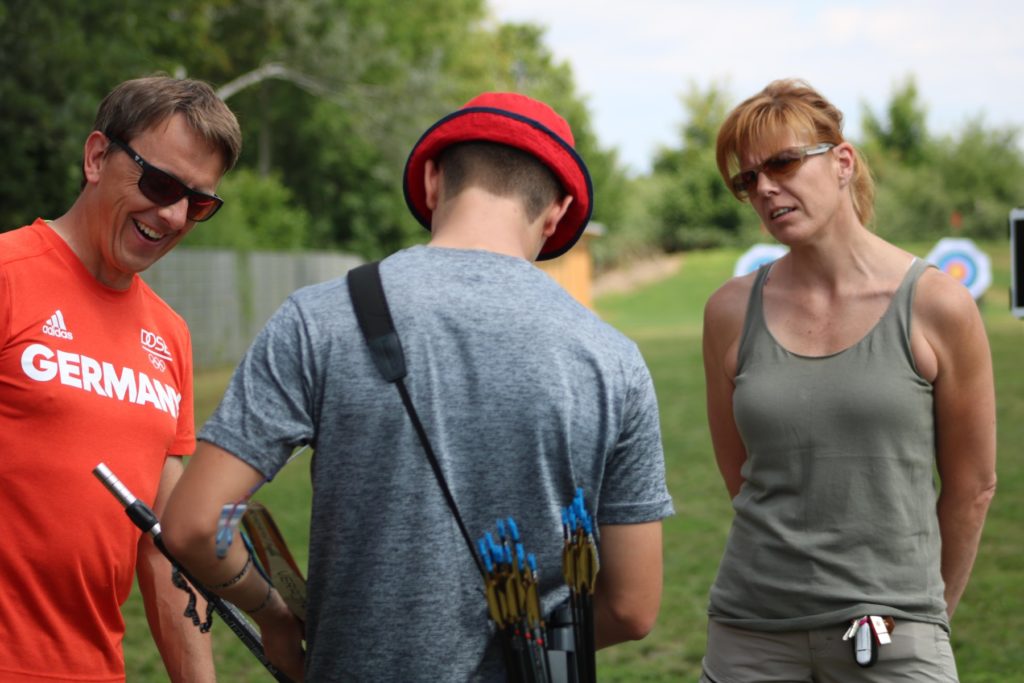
163	189
780	165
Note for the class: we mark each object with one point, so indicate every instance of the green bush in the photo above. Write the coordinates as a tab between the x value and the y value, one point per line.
258	213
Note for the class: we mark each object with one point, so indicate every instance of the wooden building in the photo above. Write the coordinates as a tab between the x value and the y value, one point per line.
574	269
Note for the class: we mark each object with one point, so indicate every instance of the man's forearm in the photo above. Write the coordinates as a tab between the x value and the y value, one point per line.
186	652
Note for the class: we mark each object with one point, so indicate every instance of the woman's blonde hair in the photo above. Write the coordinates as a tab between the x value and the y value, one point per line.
789	106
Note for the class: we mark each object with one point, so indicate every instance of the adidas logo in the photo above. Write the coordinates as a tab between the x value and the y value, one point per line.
55	326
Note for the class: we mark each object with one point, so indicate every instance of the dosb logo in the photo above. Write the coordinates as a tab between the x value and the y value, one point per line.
154	344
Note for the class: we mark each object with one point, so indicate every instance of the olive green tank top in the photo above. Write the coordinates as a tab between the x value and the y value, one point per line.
836	516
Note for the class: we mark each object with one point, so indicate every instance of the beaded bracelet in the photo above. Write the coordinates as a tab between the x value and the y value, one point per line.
237	577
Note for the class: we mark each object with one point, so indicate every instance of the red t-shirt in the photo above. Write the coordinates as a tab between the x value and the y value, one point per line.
88	374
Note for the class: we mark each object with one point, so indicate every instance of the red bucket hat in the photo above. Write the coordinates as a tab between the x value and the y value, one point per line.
517	121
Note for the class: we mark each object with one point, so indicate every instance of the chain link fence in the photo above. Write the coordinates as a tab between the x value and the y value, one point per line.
227	296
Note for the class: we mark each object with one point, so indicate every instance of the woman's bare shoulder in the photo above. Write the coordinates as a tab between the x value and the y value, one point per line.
727	305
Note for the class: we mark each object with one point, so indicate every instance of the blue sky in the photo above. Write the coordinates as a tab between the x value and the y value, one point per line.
633	60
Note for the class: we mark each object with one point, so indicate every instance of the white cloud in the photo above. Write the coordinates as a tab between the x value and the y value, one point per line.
633	60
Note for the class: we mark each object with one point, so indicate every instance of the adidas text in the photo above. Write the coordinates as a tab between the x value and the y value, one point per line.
57	332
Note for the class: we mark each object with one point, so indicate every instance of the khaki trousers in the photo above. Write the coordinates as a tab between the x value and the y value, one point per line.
918	653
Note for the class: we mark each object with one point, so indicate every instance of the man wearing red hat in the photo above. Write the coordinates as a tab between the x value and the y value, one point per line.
525	397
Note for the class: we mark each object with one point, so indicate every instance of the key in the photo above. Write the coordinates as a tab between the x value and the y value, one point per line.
881	631
852	631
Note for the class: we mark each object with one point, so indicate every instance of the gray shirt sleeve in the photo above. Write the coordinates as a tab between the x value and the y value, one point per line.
634	488
268	408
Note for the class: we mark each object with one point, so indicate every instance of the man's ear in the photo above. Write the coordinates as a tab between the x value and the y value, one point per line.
93	155
554	214
432	183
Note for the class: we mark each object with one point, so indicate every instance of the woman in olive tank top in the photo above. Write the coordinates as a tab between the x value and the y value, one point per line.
839	379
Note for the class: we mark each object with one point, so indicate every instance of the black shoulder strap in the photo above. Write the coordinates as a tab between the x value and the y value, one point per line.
371	306
374	316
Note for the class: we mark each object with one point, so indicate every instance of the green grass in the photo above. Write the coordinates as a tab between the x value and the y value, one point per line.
665	319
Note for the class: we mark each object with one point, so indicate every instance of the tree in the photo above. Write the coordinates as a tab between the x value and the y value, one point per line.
902	133
260	214
982	173
926	187
693	206
337	122
57	61
336	93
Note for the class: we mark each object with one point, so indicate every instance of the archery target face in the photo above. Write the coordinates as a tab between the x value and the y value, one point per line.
757	256
963	261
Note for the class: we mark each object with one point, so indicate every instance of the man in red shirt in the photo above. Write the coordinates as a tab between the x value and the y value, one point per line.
95	367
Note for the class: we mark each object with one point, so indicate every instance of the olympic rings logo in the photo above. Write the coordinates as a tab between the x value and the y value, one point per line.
154	344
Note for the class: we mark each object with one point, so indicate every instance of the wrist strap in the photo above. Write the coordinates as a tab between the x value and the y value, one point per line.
374	316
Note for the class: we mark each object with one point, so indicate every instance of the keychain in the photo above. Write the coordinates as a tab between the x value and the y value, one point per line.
868	633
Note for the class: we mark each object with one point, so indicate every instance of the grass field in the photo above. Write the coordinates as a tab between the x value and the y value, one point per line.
665	320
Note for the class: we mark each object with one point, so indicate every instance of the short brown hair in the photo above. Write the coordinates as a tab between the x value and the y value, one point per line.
139	104
501	170
789	106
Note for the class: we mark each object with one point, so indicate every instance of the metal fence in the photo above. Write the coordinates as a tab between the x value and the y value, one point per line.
227	296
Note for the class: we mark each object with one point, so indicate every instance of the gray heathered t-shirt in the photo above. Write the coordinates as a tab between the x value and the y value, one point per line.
525	395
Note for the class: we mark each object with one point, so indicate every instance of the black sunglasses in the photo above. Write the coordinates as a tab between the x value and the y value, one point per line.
163	189
780	165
